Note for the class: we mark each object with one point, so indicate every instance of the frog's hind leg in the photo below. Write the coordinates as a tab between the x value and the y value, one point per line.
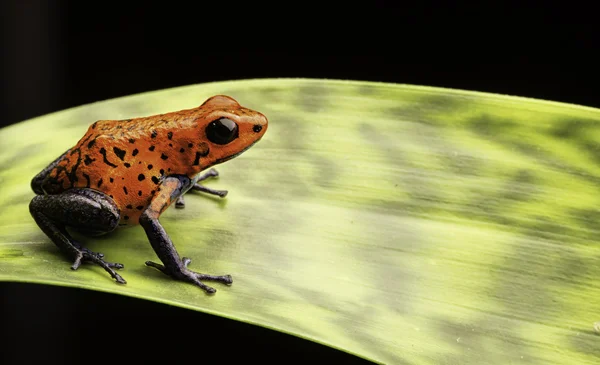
84	209
180	202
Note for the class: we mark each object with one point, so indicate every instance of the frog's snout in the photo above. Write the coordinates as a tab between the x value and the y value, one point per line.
260	124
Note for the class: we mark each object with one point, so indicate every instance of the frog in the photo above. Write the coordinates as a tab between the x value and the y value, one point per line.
127	172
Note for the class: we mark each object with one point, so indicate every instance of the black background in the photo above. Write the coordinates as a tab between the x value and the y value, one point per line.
62	54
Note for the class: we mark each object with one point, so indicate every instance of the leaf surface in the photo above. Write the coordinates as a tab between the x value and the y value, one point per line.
404	224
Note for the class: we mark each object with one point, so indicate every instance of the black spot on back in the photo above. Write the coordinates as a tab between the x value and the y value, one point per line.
170	135
134	152
88	160
87	177
141	177
155	179
103	153
127	164
153	135
78	147
99	182
163	156
152	148
92	142
150	167
131	140
120	153
125	190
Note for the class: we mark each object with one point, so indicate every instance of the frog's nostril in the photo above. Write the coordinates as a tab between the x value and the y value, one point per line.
257	128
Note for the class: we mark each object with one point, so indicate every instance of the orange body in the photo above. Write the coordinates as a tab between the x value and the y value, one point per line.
128	159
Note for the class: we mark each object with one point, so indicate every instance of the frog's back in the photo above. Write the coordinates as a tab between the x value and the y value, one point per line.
127	159
65	172
117	156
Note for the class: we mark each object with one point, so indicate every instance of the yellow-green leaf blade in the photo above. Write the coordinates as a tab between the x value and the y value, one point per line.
395	222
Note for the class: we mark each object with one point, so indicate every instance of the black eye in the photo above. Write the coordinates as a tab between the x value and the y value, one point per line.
222	131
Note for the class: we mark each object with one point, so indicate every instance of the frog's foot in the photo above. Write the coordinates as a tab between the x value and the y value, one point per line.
180	202
184	274
85	255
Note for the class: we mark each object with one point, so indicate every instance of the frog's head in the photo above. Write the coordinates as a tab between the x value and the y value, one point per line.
226	130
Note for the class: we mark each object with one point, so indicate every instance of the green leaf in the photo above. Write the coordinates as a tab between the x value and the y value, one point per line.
403	224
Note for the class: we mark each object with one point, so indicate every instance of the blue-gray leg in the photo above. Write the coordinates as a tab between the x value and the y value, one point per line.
180	202
172	264
85	210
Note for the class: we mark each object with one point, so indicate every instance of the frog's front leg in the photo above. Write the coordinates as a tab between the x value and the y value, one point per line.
171	189
180	203
86	210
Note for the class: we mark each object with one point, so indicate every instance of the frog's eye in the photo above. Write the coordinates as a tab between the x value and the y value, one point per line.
222	131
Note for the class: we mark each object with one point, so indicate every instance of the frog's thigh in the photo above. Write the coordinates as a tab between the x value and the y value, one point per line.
85	210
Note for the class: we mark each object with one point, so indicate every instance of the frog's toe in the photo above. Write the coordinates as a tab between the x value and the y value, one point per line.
225	279
88	256
204	189
210	173
116	265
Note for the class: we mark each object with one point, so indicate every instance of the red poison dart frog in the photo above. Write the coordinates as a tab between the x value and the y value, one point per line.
128	172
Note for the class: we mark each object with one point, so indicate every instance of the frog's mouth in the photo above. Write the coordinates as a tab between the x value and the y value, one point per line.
221	160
